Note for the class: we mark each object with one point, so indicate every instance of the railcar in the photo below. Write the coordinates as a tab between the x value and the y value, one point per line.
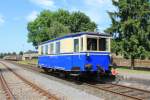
77	53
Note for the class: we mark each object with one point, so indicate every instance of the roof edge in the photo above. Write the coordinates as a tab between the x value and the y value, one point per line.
76	34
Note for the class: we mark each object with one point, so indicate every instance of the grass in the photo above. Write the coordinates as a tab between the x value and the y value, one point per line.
29	62
120	69
127	70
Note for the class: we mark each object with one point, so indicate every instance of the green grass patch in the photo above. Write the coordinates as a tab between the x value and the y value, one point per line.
29	62
128	70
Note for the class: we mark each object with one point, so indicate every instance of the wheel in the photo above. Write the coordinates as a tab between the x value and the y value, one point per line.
46	70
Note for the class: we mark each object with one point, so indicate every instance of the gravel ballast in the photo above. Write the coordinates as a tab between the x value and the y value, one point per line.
19	89
61	90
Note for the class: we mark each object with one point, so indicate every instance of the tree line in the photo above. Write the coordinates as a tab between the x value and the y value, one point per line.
10	54
49	25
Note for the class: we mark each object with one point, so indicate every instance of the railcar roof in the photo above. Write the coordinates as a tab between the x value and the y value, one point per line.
77	34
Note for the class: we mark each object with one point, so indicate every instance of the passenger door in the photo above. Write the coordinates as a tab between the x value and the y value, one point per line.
77	57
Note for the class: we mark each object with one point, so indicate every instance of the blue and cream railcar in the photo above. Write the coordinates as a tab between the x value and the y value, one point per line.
80	52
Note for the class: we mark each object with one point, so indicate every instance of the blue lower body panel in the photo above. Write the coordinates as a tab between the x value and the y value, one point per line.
67	62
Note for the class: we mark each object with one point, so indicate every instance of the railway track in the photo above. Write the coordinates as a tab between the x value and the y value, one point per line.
9	95
23	83
124	91
121	90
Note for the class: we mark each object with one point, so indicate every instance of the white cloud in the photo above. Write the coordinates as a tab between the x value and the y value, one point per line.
97	2
100	4
32	16
95	9
98	12
2	20
44	3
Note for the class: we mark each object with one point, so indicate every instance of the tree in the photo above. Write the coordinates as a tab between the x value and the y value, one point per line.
49	25
62	16
131	22
38	29
14	53
57	29
9	53
21	53
1	55
80	22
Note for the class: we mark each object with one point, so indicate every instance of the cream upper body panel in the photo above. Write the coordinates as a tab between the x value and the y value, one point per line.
66	45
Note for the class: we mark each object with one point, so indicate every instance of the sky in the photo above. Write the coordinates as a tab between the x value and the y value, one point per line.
15	15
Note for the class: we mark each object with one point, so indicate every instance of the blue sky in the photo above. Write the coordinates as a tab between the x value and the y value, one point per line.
15	14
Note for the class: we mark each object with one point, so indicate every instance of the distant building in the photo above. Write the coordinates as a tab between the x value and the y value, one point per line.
30	55
13	57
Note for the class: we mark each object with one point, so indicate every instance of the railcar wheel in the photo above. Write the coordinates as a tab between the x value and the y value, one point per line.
66	74
38	66
63	74
46	70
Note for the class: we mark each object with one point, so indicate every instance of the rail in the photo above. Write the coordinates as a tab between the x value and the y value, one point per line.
125	91
8	93
34	86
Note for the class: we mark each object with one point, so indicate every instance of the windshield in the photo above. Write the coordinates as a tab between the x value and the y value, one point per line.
97	44
91	44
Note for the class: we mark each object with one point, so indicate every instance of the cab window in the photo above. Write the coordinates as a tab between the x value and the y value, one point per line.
92	44
103	44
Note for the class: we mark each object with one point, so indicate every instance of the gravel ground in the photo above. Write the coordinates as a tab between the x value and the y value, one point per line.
139	76
63	91
135	85
20	90
128	80
141	81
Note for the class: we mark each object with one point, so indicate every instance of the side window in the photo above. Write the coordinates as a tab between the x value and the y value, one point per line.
76	45
57	47
51	48
107	44
92	44
46	49
82	44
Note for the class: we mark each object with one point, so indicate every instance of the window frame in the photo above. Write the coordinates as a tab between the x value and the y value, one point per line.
41	52
96	43
56	48
51	51
107	44
46	49
98	37
81	42
78	44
